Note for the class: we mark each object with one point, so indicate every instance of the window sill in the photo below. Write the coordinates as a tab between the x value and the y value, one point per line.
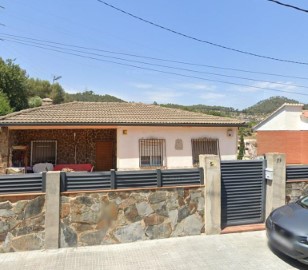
152	167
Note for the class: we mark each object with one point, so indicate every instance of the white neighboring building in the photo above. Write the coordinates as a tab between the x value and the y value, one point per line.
285	131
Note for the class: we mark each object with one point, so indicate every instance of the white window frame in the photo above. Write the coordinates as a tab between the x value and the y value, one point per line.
47	141
160	152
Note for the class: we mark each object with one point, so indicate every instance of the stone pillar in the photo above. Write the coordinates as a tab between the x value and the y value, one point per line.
52	216
275	188
4	149
212	181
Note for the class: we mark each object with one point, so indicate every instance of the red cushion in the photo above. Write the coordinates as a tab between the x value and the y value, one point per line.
75	167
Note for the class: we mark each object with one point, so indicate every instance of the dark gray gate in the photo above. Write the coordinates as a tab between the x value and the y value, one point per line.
297	172
242	192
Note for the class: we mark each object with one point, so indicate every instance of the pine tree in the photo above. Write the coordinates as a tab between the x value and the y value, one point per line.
4	104
13	84
241	150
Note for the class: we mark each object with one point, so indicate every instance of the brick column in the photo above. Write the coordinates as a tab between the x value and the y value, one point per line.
276	188
212	181
4	149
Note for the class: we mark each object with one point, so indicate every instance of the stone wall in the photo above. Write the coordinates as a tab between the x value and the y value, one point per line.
127	216
22	222
296	189
4	149
85	141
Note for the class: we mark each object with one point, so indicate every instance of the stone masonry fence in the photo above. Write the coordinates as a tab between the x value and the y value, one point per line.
55	219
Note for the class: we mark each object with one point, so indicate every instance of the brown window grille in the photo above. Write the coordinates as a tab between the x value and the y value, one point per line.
43	151
151	152
204	146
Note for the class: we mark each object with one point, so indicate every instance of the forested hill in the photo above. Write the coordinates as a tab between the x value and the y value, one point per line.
267	106
261	108
213	110
91	96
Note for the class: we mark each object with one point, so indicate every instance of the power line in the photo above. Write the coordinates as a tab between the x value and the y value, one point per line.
158	65
17	54
160	71
157	59
288	5
91	33
201	40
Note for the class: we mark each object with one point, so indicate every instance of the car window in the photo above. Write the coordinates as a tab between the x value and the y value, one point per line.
304	201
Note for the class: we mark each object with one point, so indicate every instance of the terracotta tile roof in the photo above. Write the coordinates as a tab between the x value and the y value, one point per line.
112	113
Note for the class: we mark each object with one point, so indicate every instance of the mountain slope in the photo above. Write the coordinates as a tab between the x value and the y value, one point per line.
269	105
91	96
213	110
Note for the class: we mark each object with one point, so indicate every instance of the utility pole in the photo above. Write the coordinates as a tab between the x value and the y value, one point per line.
55	78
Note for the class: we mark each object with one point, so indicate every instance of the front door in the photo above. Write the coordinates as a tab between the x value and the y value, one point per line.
104	156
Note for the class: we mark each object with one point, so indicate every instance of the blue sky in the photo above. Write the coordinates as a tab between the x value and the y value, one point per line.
255	25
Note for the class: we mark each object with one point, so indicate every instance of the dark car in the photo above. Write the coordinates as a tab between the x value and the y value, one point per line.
287	229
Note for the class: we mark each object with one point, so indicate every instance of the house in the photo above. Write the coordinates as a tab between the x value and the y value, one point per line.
111	135
250	149
285	131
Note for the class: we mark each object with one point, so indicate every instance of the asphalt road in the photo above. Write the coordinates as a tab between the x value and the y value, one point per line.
230	251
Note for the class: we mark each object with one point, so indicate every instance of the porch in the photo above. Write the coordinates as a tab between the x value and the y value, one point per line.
73	148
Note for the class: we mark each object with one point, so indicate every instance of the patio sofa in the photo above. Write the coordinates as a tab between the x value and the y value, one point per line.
75	167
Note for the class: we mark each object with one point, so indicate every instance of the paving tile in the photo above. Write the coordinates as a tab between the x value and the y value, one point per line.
228	251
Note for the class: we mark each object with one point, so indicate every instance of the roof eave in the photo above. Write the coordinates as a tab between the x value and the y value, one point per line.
243	124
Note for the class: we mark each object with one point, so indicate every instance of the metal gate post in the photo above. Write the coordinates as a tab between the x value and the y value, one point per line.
211	167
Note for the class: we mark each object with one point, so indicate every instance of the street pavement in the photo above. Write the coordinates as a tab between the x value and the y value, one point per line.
230	251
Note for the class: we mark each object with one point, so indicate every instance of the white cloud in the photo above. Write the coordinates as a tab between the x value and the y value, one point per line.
69	89
212	96
163	95
284	86
142	85
197	86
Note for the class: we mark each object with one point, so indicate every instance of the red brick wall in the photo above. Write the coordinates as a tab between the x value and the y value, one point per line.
293	143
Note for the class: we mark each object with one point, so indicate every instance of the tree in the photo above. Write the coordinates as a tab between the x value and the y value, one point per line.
89	95
44	89
57	93
241	151
4	104
13	81
40	88
269	105
35	102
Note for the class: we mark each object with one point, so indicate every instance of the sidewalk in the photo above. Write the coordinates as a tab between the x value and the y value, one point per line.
229	251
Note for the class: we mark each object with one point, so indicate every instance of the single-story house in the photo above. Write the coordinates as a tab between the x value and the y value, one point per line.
285	131
112	135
